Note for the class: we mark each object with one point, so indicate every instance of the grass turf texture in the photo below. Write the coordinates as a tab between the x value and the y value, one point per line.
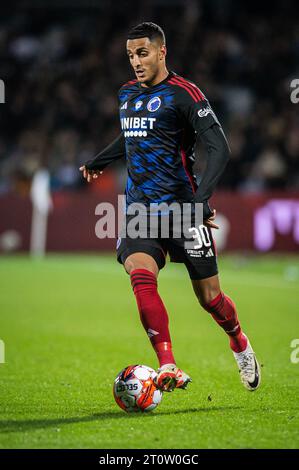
70	323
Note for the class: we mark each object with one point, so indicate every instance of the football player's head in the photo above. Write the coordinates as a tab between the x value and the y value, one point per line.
146	49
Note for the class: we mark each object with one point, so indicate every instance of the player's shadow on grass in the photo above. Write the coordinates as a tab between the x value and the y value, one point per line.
33	424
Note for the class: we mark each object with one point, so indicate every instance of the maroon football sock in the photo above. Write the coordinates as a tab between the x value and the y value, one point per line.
153	314
224	312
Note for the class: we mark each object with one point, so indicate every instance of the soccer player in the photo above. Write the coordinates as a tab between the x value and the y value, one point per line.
162	115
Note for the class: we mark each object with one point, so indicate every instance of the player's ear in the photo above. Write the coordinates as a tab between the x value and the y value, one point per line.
163	52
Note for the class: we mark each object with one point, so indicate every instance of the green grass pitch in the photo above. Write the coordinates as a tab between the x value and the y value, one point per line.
70	323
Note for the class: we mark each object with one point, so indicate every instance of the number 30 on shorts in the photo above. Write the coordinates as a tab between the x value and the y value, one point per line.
202	235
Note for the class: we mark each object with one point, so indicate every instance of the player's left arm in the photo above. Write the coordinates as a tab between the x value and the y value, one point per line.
202	118
218	154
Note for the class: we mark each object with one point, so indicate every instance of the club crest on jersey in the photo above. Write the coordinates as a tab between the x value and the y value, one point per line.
154	104
138	105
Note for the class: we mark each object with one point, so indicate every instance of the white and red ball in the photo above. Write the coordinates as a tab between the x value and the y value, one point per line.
134	389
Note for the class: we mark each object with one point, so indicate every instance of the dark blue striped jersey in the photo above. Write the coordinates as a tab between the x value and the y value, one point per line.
160	125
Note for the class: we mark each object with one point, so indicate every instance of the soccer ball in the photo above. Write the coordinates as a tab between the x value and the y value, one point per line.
134	389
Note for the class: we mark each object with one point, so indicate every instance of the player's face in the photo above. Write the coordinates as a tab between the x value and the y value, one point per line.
147	58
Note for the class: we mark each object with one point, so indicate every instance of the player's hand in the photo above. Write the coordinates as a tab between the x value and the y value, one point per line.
210	221
89	175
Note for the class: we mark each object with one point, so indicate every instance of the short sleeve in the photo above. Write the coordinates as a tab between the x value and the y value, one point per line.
196	109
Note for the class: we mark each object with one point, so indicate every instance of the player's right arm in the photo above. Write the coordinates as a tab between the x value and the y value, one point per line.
114	151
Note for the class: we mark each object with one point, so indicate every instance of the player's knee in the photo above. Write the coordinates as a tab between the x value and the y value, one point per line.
206	297
206	290
133	263
129	267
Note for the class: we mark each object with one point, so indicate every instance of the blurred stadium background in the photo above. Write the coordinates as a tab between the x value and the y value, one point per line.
62	64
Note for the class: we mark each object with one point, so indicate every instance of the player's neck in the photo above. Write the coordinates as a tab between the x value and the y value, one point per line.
158	78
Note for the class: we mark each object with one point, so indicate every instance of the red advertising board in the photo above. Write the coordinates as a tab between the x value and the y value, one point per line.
263	222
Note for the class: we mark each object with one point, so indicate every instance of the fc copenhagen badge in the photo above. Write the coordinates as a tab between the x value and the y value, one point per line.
154	104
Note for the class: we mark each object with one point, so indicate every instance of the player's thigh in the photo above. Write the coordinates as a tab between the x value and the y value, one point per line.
141	253
206	289
141	260
200	259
